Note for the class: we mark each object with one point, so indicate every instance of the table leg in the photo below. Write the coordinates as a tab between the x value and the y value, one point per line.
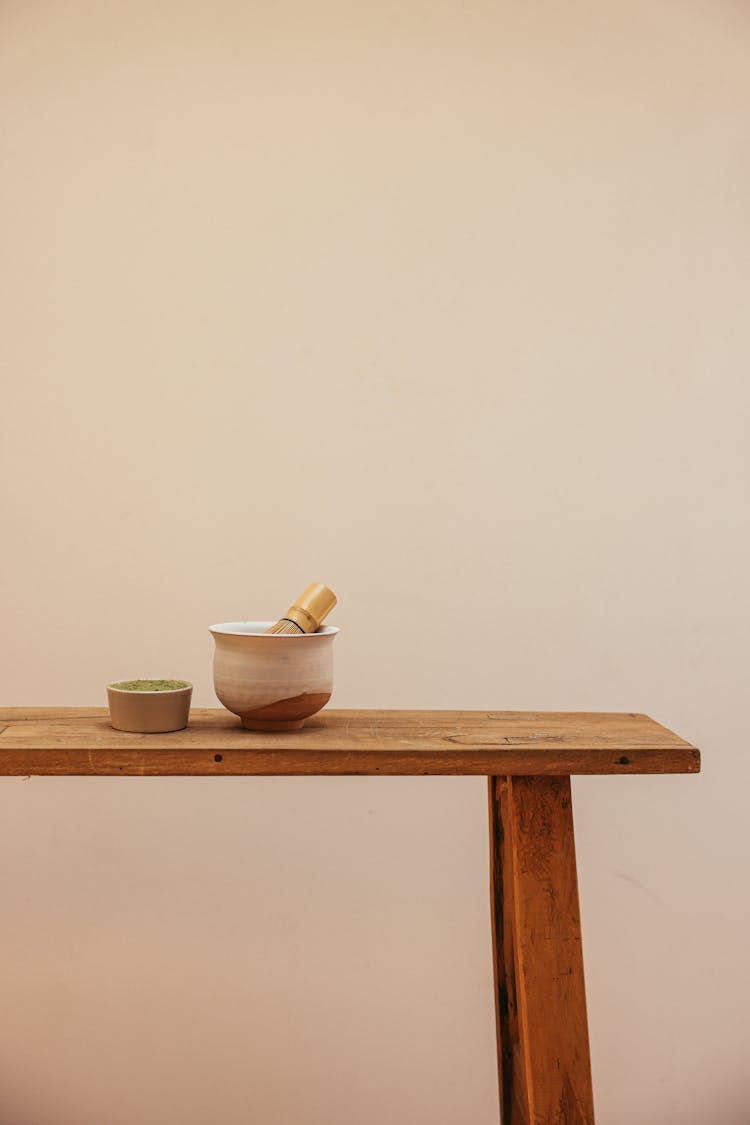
540	1002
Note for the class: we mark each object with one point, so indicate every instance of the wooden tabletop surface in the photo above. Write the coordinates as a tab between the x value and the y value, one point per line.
80	741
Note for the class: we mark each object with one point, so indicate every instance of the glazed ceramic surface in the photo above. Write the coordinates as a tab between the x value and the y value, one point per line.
273	681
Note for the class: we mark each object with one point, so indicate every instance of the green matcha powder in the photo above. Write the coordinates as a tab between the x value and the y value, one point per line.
149	685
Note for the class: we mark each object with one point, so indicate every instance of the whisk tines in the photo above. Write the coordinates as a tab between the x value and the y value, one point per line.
285	626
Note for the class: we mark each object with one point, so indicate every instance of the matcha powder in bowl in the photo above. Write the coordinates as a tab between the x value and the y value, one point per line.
150	685
149	706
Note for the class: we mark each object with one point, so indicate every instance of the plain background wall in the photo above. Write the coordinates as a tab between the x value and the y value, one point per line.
444	304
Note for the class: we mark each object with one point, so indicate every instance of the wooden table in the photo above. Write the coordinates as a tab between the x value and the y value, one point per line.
540	1003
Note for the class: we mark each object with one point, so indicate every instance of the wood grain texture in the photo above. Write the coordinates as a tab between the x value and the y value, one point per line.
510	1063
58	740
543	1046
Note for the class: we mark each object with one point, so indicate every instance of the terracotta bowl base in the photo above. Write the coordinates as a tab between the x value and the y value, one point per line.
269	724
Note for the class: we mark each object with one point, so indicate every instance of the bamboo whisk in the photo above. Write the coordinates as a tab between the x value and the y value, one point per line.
307	612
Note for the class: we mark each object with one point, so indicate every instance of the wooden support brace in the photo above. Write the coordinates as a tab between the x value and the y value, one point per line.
543	1044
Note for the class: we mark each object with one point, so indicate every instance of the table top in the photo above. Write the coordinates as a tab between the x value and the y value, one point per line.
80	741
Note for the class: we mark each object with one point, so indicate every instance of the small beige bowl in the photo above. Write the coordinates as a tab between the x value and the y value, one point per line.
273	681
149	712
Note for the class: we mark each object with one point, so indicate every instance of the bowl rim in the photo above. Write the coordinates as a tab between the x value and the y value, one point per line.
124	691
231	629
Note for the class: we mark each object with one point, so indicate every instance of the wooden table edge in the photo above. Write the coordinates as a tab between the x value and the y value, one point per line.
84	762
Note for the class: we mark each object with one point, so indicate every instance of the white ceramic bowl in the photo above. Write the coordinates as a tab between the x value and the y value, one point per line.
273	681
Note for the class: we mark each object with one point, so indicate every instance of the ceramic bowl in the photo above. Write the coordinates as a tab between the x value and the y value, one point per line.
149	712
273	681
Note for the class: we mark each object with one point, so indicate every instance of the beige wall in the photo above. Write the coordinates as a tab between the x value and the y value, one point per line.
446	305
